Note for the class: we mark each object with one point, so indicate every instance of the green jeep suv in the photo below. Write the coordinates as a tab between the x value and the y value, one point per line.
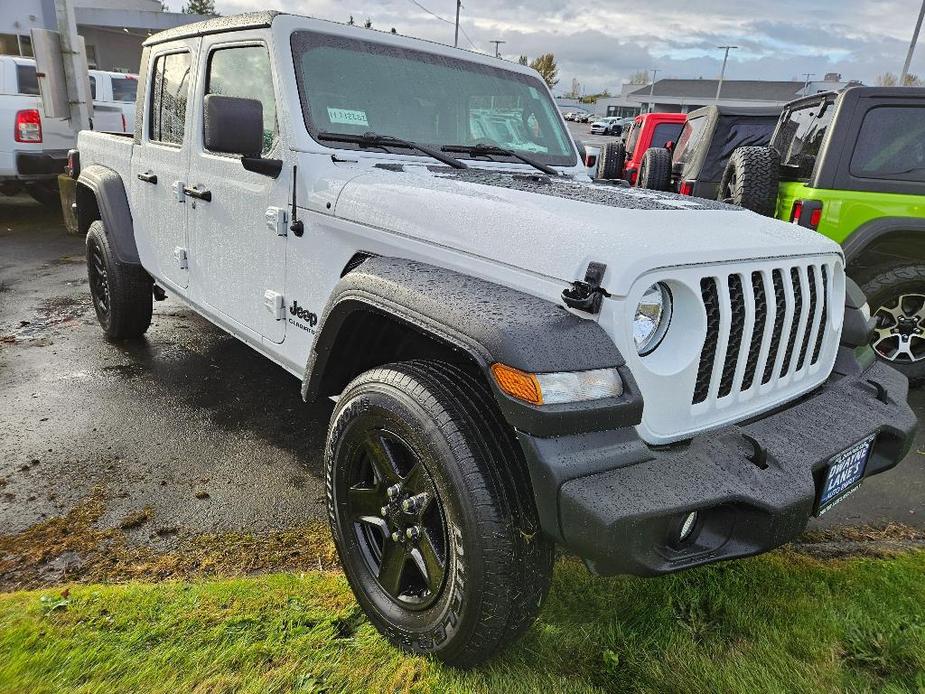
851	165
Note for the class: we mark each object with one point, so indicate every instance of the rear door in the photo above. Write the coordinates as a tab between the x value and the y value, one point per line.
160	163
238	262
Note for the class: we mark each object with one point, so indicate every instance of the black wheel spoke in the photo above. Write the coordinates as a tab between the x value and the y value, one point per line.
416	481
382	458
392	566
428	562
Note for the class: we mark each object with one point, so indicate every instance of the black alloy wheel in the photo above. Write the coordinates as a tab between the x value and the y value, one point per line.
397	518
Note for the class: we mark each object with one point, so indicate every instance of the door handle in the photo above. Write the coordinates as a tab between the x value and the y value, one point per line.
148	177
198	193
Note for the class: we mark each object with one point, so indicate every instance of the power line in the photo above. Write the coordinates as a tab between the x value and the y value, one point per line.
446	21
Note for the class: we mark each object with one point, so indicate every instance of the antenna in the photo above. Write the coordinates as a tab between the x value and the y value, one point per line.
297	227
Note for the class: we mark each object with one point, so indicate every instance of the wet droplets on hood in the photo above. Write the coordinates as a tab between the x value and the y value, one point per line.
570	189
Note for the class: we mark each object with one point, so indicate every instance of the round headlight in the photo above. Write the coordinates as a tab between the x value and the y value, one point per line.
652	318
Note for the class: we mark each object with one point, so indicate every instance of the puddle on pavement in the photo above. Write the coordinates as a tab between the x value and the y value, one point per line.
52	313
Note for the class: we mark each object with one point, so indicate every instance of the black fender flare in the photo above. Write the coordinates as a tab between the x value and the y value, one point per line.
108	189
876	229
491	323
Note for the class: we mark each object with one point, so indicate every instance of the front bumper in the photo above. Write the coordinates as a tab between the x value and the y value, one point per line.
619	504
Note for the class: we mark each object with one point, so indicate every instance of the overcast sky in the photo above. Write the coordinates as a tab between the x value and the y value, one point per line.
603	42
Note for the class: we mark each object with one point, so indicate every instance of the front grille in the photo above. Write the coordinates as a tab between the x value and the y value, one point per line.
762	322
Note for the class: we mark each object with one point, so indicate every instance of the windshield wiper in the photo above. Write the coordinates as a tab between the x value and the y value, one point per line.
383	141
483	149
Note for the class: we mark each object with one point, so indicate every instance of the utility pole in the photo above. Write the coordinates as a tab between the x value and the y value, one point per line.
807	75
915	40
74	66
458	7
654	71
497	47
722	74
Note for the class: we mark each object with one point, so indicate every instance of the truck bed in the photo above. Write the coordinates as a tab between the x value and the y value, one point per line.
113	150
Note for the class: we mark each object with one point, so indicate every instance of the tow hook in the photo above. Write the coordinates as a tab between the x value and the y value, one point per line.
587	295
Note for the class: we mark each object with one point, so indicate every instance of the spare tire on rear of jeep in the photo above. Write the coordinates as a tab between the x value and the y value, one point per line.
751	180
655	169
611	160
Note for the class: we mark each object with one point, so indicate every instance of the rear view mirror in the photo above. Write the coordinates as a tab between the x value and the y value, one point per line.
233	125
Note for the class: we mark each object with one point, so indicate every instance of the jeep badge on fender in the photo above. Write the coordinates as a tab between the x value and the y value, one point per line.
480	416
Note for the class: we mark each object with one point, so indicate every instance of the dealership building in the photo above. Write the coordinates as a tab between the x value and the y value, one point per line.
686	95
113	30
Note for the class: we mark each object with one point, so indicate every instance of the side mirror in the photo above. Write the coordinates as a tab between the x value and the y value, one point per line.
235	126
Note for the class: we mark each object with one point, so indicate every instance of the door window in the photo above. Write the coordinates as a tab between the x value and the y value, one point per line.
244	72
169	91
891	144
124	88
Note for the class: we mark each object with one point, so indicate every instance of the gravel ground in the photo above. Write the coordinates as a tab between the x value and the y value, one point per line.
188	423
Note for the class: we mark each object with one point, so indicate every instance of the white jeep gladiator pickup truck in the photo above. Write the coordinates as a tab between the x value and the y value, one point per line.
519	356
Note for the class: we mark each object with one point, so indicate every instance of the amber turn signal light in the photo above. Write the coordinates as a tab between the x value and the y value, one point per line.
518	384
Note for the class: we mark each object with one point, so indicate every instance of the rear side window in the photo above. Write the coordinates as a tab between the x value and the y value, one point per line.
891	144
691	136
665	133
124	88
632	137
169	91
244	72
93	87
800	135
26	80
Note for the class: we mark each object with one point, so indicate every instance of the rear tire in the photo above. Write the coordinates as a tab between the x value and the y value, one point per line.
751	180
431	426
655	169
122	293
611	160
896	296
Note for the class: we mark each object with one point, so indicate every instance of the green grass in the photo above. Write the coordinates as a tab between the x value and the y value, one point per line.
782	622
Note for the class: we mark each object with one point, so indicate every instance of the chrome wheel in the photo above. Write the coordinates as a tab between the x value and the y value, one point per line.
900	332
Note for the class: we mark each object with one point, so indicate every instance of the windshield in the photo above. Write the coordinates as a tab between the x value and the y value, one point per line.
350	86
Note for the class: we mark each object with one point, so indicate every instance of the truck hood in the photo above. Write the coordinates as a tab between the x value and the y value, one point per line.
554	227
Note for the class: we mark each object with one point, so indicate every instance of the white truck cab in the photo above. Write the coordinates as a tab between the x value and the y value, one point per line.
519	356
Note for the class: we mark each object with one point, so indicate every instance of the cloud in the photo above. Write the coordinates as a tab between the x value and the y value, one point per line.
603	42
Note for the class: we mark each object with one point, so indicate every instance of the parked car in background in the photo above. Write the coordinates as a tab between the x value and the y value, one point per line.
710	136
851	165
33	148
611	125
115	89
630	160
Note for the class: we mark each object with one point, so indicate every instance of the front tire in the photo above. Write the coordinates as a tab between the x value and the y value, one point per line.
122	293
432	512
896	297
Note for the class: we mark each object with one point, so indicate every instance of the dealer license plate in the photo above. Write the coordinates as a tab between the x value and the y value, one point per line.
843	474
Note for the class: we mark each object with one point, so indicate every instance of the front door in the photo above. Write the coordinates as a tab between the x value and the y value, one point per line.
160	163
238	260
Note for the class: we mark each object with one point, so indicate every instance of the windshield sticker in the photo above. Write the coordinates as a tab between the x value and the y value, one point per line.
347	117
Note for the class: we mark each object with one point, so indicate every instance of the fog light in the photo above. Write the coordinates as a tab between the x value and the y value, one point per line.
690	522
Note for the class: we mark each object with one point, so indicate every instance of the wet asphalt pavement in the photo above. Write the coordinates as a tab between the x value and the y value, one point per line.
188	421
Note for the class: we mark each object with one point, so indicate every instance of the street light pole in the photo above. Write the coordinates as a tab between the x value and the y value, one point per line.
456	40
654	71
915	40
722	74
807	75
